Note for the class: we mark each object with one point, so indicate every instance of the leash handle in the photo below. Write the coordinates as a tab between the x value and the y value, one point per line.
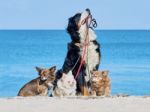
94	23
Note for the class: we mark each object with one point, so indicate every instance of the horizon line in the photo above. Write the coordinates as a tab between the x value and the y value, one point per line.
65	29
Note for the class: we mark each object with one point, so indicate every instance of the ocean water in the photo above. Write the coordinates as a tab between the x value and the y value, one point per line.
125	53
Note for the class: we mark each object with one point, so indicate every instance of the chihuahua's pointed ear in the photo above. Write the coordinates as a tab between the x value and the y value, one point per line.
38	69
52	69
105	73
91	71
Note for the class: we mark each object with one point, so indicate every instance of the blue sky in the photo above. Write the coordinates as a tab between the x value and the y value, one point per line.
54	14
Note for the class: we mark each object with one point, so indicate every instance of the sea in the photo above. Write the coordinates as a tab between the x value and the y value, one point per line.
125	53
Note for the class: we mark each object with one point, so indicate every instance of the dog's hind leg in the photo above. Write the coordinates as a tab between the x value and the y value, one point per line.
82	84
84	90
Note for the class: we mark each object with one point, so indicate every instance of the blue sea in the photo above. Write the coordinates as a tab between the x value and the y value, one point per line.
125	53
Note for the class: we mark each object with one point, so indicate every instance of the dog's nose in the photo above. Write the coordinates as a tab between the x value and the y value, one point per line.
88	10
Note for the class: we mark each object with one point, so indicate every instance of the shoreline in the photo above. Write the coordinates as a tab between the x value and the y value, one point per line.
76	104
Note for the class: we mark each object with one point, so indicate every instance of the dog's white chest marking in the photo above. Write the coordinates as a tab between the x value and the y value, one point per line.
91	57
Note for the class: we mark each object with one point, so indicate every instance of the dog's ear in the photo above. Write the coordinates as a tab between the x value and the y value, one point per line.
38	69
72	29
52	69
91	71
94	69
105	73
63	76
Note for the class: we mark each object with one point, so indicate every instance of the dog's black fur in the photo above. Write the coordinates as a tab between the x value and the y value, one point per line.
74	53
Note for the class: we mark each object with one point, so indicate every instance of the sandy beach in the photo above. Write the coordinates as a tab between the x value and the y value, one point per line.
81	104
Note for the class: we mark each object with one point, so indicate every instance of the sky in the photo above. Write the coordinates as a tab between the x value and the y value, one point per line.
54	14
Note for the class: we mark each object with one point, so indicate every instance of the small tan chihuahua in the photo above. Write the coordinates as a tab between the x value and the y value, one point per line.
40	85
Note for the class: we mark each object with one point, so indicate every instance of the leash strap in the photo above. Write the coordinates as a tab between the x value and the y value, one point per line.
85	48
82	61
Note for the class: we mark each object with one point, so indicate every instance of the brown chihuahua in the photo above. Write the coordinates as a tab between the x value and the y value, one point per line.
41	84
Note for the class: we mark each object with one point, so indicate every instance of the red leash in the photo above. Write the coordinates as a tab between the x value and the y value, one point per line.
84	53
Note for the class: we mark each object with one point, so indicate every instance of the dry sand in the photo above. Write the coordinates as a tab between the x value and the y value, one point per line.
81	104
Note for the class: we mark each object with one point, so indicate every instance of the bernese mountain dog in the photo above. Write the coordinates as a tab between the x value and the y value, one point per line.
78	26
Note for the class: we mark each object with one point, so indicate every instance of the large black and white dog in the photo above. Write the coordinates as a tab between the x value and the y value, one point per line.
77	29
